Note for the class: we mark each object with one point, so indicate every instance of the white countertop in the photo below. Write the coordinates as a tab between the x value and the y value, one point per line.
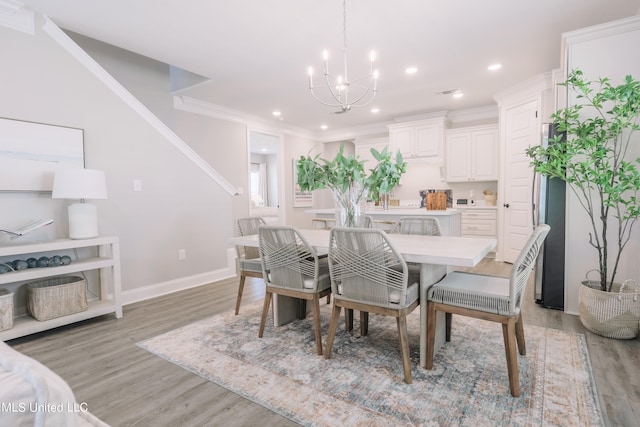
393	211
476	206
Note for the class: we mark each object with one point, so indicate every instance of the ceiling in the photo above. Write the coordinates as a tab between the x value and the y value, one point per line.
256	52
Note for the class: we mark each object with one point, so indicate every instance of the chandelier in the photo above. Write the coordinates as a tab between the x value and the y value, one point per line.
363	89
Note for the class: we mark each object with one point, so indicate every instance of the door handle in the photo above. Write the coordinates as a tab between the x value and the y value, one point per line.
506	205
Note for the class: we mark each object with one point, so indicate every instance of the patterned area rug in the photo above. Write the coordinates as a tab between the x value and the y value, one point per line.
361	385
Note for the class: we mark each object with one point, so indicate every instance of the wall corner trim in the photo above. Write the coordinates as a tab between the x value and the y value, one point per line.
76	51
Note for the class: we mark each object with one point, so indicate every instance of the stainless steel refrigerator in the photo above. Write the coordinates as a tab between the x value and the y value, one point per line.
549	199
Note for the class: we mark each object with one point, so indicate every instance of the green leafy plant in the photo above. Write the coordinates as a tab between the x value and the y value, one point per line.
594	161
346	177
345	172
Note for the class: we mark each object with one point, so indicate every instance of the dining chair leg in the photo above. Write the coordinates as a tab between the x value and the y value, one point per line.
401	320
522	347
348	319
316	323
240	290
509	334
431	334
364	323
265	312
333	326
448	318
329	299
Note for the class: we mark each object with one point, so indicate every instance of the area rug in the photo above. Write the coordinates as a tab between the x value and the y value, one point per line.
361	385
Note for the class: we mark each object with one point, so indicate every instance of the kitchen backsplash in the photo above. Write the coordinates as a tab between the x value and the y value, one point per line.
424	176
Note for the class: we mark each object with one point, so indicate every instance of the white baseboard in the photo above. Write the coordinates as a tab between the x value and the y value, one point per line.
182	283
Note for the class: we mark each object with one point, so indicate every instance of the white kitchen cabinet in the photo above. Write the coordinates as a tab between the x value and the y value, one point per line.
472	154
101	254
479	222
419	139
363	150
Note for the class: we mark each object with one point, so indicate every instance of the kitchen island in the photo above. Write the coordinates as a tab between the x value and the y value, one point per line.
449	219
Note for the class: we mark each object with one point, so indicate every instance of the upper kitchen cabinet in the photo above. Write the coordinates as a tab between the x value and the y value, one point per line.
418	140
472	154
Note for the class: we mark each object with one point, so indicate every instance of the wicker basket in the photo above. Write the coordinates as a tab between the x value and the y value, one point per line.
6	309
56	297
614	314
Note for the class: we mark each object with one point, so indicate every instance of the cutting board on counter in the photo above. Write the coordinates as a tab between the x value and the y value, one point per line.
436	201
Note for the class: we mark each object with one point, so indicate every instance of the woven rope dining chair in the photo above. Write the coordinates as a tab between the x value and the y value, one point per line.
368	274
496	299
424	226
248	257
292	268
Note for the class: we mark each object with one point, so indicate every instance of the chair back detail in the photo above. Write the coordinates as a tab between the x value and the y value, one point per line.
365	267
247	227
288	261
425	226
524	265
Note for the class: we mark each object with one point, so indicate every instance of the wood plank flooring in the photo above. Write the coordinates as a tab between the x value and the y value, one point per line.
127	386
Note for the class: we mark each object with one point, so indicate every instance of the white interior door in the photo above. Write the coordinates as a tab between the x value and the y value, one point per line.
522	131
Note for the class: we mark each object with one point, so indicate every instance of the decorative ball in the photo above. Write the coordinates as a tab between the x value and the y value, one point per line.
32	262
54	262
65	259
20	265
5	268
43	262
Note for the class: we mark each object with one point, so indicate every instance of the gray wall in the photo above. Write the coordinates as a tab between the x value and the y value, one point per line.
179	207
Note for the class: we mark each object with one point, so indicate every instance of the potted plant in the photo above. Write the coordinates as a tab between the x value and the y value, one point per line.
593	159
347	179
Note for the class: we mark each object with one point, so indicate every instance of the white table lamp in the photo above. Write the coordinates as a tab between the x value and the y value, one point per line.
80	184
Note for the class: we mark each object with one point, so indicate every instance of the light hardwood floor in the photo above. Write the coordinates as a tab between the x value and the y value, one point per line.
127	386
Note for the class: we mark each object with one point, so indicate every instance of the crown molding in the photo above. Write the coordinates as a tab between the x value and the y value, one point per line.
10	7
197	106
530	88
353	132
602	30
14	15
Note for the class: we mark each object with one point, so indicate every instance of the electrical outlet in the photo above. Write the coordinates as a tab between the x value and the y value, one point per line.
182	254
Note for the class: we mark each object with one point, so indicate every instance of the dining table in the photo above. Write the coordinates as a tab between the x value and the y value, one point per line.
436	256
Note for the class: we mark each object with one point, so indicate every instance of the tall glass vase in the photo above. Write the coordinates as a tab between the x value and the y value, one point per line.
350	206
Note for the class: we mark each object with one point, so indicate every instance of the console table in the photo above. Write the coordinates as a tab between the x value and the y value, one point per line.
103	255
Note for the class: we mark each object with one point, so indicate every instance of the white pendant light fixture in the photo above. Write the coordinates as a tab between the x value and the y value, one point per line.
339	91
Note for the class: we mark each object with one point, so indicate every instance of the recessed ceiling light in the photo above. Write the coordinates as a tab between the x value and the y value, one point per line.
264	150
276	113
411	70
494	67
375	110
458	95
323	127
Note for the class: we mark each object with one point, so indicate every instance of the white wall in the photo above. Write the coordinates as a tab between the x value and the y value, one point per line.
179	207
602	51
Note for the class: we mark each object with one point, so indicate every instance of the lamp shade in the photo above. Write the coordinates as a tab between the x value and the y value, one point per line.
79	184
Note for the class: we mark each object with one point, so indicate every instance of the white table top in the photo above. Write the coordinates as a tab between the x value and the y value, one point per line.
392	211
445	250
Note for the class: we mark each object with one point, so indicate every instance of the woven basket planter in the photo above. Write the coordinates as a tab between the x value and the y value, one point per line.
614	314
56	297
6	309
